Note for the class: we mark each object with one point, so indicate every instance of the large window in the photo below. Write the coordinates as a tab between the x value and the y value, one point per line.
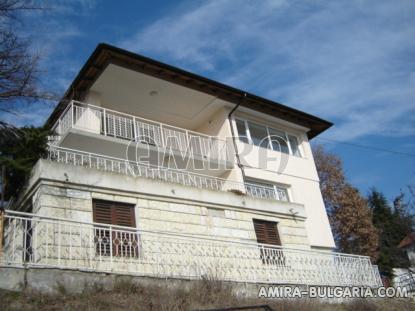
120	242
267	137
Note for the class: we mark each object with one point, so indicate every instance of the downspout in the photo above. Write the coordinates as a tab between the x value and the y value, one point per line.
235	146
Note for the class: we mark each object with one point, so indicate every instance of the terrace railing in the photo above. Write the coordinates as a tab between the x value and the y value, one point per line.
183	177
124	126
34	240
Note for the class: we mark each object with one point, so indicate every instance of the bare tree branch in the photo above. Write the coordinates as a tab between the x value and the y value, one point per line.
19	73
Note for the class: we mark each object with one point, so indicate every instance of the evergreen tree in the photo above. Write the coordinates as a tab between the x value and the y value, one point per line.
393	225
20	150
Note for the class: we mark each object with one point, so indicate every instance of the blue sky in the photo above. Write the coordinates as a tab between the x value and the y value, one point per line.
351	62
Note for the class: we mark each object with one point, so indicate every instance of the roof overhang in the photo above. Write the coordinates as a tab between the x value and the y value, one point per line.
105	54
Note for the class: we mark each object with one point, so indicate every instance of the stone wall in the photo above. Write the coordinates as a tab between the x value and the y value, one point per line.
169	215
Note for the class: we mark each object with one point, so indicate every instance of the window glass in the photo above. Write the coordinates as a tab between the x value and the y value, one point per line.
240	125
259	135
278	140
294	145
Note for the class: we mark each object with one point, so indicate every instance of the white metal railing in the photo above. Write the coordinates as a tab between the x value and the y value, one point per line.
406	280
34	240
132	168
128	127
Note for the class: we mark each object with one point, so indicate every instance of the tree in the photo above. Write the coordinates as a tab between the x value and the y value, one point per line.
349	215
21	148
19	73
393	225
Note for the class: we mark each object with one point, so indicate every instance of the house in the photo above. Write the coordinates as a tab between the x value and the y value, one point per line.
408	245
405	277
157	171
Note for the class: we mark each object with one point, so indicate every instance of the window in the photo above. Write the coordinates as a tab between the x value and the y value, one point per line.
294	145
120	241
242	134
279	141
267	137
258	135
267	233
266	190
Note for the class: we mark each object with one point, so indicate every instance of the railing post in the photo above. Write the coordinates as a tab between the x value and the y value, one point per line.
111	250
72	115
60	126
2	216
344	276
372	268
162	135
104	114
188	143
134	130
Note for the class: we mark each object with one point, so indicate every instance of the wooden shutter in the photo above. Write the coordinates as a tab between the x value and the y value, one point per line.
266	232
113	213
102	211
123	215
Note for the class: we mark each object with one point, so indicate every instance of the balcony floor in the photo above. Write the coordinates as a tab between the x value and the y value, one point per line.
140	152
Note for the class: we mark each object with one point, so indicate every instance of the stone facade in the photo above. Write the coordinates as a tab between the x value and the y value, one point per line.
167	215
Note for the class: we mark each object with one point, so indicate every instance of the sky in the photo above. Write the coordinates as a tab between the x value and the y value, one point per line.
351	62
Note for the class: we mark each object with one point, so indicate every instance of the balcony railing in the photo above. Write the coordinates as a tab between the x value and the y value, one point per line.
34	240
137	169
111	123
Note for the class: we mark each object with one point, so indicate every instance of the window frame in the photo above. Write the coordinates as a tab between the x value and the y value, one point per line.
107	231
269	255
286	134
276	187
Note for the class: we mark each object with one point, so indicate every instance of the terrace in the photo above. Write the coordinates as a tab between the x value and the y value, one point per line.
38	241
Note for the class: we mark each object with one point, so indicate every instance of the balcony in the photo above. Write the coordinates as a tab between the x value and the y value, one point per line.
126	128
32	240
137	169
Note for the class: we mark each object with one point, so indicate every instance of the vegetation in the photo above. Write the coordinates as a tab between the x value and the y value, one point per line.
393	224
203	295
20	149
348	212
19	73
367	226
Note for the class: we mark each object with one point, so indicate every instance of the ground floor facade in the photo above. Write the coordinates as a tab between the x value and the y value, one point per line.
86	219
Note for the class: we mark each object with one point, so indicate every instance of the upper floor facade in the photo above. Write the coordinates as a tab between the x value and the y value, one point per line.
127	113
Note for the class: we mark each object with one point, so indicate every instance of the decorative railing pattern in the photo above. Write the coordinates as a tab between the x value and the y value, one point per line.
35	240
186	178
128	127
406	280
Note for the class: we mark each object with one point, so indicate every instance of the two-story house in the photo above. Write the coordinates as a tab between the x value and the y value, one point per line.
157	171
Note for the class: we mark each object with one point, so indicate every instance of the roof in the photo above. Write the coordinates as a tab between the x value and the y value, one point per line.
105	54
407	241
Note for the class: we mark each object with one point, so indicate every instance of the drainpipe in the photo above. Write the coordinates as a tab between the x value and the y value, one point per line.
235	146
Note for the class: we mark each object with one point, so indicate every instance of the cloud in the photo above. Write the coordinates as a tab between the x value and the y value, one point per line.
349	61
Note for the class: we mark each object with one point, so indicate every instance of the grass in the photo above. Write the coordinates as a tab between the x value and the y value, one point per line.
202	295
